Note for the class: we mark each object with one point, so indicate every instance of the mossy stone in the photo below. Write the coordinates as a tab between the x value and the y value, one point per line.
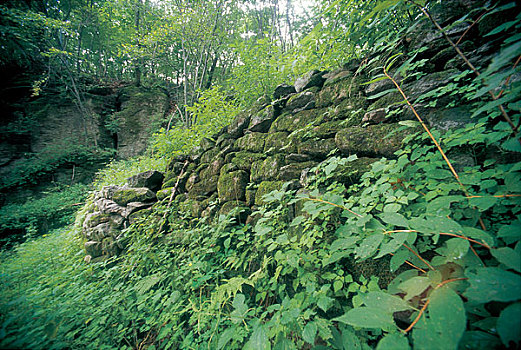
209	156
127	195
317	148
243	160
289	122
277	142
212	169
232	186
327	129
344	86
264	188
204	187
250	197
252	142
267	169
164	193
261	121
228	168
293	171
372	140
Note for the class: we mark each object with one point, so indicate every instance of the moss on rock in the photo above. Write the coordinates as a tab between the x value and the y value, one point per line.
126	195
252	142
317	148
267	169
373	140
279	142
264	188
243	160
232	186
288	122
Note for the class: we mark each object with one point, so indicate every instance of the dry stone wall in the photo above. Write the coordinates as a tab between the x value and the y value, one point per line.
281	137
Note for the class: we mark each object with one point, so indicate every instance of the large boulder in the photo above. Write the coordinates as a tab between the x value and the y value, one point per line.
278	142
238	125
283	90
243	160
301	102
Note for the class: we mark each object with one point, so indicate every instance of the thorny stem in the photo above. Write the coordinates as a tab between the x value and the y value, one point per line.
444	234
429	300
412	265
474	69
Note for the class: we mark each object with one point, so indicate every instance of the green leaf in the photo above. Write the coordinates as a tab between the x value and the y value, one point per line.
367	317
512	145
337	285
259	339
414	286
395	219
241	308
393	341
392	208
343	243
509	257
225	337
446	323
324	302
483	203
284	344
368	246
511	232
493	284
385	301
309	333
509	324
397	240
478	235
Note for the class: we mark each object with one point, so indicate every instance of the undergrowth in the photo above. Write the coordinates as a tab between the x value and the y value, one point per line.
423	252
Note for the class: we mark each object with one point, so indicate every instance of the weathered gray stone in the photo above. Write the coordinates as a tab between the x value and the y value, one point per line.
310	79
244	160
278	142
294	171
93	248
283	90
238	125
375	117
300	102
206	144
261	121
151	179
372	141
317	148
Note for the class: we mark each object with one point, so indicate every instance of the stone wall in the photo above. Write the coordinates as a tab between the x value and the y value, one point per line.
281	137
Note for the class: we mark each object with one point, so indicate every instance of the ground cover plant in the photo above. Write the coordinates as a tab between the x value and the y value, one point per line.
423	252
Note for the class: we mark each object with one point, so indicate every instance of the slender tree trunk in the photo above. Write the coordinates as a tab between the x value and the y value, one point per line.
138	63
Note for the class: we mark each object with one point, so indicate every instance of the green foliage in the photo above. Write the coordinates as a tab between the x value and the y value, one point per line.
408	257
56	208
211	113
37	166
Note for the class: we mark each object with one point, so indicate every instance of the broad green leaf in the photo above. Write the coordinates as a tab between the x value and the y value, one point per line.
479	340
310	332
478	235
367	317
509	324
324	302
392	208
241	308
445	324
368	246
385	301
508	256
483	203
343	243
395	219
510	233
225	337
414	286
493	284
284	344
259	339
337	285
393	245
393	341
